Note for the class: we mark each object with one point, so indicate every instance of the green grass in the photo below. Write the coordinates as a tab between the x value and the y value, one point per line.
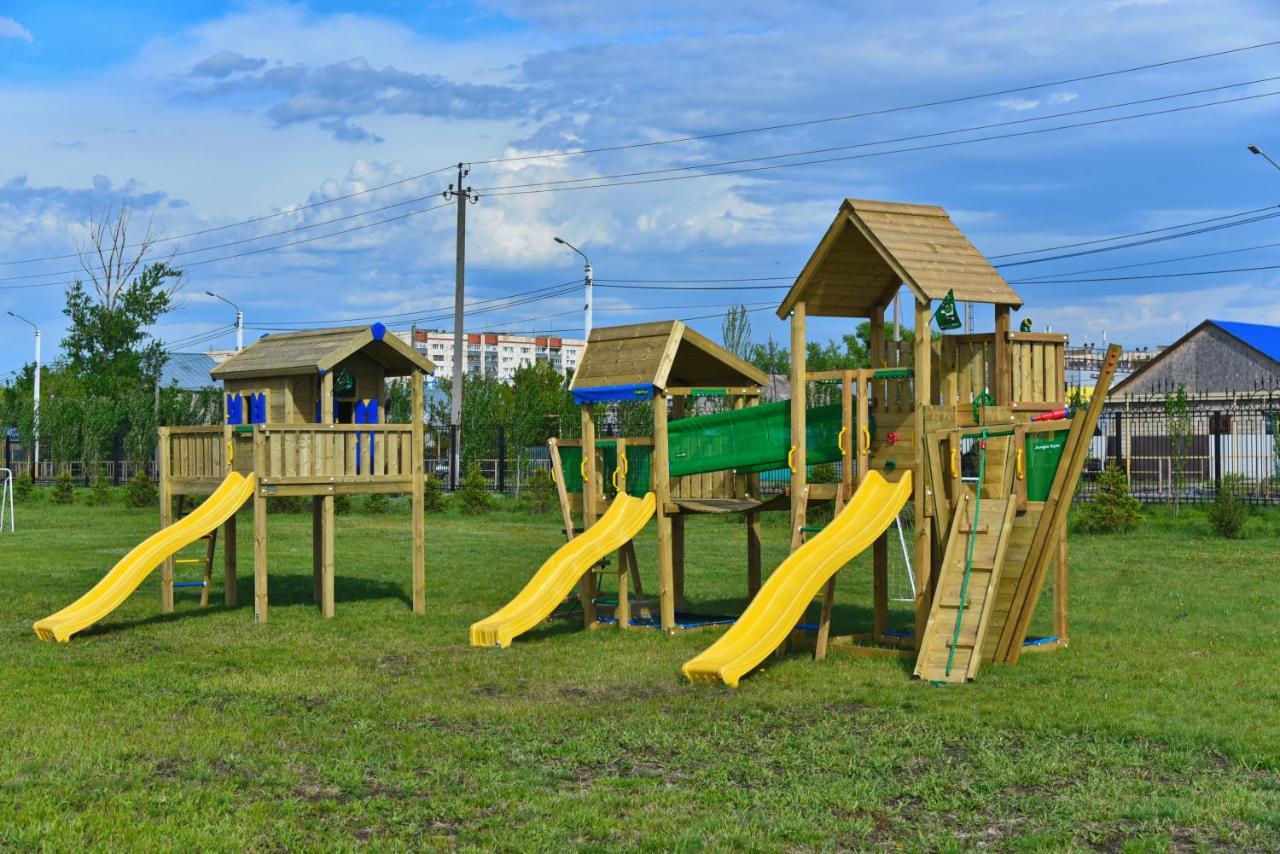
1157	729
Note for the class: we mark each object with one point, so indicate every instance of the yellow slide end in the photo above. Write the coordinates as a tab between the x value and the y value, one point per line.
124	578
782	601
555	580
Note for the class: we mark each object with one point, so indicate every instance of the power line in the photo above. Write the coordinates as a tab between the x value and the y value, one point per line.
1148	276
656	287
252	220
1147	242
1153	263
1133	233
892	140
186	267
881	112
695	281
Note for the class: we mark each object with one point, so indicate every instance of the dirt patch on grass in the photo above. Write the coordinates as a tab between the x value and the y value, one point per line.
315	793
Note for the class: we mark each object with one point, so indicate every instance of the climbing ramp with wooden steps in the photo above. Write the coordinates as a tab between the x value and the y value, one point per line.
968	583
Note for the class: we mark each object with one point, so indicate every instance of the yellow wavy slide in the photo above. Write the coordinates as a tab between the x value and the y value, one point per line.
782	601
555	580
124	578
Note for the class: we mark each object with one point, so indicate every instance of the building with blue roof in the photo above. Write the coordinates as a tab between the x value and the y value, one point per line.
1217	357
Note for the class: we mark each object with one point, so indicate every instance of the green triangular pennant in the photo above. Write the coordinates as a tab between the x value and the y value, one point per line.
946	316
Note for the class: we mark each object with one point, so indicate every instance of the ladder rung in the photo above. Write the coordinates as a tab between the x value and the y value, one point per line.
811	529
188	584
189	560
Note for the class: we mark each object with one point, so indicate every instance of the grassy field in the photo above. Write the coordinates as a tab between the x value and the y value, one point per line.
1157	729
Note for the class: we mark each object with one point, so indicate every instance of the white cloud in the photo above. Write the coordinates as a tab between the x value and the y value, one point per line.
1019	104
11	29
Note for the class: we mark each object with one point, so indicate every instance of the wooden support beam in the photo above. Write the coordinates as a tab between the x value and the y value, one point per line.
661	475
590	508
677	559
1061	623
417	460
753	554
880	585
166	519
1003	355
799	474
924	535
327	510
259	532
229	561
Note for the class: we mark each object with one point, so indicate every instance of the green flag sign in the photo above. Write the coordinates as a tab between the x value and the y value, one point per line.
946	316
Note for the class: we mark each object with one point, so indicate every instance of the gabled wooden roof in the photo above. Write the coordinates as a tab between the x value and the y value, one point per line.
666	354
872	248
316	350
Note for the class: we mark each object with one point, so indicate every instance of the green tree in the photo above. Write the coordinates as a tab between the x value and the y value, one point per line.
1178	425
735	331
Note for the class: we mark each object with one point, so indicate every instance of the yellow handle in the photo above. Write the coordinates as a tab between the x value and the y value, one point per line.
614	478
553	475
866	440
1018	465
791	453
626	465
840	440
955	472
582	468
231	451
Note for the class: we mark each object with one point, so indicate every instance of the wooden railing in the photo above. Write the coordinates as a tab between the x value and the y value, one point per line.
319	454
194	453
1038	372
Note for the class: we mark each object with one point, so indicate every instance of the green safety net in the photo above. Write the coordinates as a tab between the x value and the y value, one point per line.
638	457
753	439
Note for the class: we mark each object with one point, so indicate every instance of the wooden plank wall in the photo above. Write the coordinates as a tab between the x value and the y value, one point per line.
1039	371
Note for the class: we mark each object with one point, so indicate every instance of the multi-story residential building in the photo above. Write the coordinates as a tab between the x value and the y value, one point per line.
496	354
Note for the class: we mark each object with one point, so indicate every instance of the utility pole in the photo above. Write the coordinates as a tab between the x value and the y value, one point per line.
459	359
588	280
239	320
35	405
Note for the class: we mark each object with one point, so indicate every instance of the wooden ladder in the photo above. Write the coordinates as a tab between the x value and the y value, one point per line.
990	541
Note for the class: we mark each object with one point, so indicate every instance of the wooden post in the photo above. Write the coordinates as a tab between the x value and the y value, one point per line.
166	519
880	585
923	383
327	509
1003	358
851	450
753	528
679	404
229	561
317	547
259	530
587	586
416	459
1061	622
662	486
799	453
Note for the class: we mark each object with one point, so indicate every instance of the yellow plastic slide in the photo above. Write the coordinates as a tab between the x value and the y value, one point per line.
555	580
781	602
125	577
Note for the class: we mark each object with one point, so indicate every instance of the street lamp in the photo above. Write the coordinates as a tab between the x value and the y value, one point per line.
1253	149
587	280
239	320
35	406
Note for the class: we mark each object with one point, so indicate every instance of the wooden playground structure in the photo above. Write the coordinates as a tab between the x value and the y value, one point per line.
305	414
991	448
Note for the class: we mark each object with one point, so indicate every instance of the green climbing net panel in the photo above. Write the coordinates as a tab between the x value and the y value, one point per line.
753	439
638	462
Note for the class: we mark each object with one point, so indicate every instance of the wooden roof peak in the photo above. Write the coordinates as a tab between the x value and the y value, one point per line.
320	350
665	353
872	248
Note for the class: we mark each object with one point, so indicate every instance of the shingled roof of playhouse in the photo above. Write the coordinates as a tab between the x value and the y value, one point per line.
873	248
628	362
319	350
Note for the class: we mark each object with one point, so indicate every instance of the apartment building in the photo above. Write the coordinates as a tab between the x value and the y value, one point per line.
496	354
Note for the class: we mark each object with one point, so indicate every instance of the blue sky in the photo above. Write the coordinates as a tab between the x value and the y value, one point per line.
202	115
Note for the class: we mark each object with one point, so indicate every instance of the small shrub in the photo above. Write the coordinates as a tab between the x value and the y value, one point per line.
64	489
23	489
1111	510
377	504
823	473
341	504
140	492
100	495
541	491
474	494
288	504
1229	511
432	497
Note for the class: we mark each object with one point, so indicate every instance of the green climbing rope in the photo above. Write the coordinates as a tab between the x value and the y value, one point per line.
968	561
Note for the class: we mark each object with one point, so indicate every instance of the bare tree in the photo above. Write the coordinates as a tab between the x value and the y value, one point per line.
736	331
110	260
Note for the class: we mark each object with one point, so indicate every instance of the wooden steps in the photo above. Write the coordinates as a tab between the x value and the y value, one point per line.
941	645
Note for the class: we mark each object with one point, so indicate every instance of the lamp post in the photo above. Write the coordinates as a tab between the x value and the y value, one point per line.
587	280
1253	149
239	320
35	405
